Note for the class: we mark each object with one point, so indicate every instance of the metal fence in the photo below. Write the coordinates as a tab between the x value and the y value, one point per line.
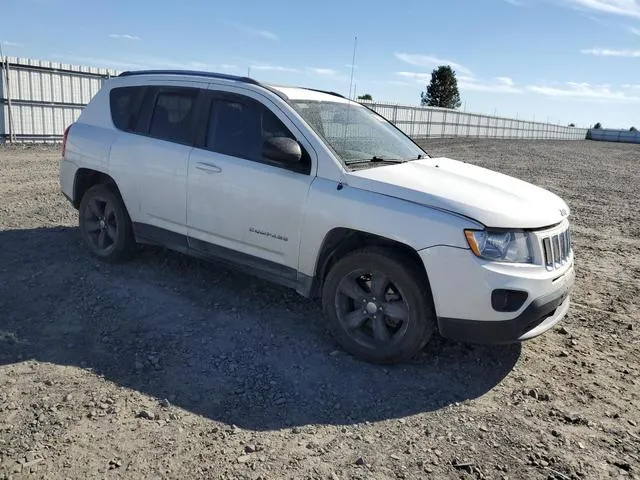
39	99
430	122
611	135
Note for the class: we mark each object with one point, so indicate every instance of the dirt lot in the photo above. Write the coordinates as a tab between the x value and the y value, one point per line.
167	367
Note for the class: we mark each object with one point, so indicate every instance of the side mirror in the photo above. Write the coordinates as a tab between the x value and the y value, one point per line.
282	150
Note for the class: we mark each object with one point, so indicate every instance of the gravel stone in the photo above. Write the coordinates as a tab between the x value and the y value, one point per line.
162	325
146	414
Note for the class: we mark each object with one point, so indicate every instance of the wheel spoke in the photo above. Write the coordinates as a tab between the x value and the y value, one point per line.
112	232
380	331
379	284
102	239
108	212
355	319
92	226
351	289
95	209
397	309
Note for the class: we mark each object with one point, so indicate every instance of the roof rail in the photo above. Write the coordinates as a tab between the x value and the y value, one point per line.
335	94
193	73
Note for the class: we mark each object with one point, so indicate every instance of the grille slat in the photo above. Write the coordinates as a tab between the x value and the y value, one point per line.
557	249
548	253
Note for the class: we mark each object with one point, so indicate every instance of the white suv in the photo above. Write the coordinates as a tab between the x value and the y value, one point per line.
323	195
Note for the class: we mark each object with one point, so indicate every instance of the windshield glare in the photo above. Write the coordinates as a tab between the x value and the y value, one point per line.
356	134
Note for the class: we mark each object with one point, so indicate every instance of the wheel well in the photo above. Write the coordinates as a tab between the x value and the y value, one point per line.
87	178
342	241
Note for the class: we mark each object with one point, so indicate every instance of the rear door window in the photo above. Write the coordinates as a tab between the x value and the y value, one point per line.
173	115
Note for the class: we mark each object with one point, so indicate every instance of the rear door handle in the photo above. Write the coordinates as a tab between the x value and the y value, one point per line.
208	167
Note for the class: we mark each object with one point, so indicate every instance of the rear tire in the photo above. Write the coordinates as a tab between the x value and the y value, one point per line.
379	305
105	225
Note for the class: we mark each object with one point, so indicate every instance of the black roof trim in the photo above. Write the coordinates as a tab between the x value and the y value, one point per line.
193	73
222	76
335	94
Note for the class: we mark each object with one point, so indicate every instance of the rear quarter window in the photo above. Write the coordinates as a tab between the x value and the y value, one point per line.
125	103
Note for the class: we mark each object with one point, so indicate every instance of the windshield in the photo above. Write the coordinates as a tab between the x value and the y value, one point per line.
356	134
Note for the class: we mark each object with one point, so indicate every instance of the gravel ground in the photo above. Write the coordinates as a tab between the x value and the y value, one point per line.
167	367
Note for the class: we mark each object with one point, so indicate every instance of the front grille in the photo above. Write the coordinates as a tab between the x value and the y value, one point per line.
557	249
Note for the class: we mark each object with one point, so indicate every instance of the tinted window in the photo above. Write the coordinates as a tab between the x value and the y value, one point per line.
239	128
234	129
172	117
125	104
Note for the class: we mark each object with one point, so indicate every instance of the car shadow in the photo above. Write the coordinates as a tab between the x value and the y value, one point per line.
213	341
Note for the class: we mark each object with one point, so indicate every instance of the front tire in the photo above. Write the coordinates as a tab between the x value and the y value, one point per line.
105	225
379	305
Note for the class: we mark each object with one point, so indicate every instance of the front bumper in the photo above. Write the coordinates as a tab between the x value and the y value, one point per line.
540	316
462	285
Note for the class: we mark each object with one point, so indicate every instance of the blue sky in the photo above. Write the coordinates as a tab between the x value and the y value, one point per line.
562	60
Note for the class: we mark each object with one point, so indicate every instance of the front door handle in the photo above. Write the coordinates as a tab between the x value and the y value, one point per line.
208	167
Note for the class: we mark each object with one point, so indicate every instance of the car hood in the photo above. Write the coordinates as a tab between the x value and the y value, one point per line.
491	198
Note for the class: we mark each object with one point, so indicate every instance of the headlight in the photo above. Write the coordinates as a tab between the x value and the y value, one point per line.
511	246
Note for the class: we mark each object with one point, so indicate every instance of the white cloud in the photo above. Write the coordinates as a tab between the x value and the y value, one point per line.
99	62
596	19
630	8
150	61
516	3
124	36
583	91
135	62
431	61
254	32
10	44
498	85
468	82
605	52
329	72
505	81
200	66
416	77
228	66
273	68
634	30
395	83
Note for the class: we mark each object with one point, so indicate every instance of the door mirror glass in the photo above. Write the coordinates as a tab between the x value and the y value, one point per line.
282	150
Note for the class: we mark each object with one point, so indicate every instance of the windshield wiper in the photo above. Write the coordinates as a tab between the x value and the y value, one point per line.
375	159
